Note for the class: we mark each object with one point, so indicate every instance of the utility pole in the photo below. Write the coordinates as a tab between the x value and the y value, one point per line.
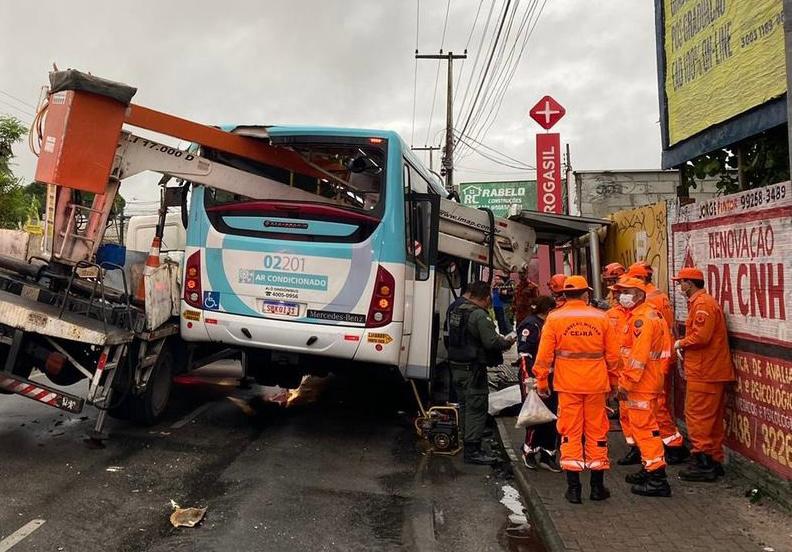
430	149
448	158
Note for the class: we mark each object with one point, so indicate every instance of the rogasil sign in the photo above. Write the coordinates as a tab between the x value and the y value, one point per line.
548	173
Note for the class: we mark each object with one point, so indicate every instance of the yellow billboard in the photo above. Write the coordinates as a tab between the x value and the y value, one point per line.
722	58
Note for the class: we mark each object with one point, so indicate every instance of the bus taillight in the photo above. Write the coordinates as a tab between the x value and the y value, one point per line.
192	280
381	307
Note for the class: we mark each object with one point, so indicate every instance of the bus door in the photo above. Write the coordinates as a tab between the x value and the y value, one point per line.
422	211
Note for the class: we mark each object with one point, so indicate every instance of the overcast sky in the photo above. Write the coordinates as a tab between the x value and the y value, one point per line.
351	63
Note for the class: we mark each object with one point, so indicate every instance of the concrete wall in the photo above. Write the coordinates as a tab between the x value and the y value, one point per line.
604	192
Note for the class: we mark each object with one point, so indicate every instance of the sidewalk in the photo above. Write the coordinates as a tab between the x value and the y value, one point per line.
698	517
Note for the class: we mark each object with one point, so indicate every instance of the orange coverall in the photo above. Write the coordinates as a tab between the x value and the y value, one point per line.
708	371
619	318
579	345
648	348
668	428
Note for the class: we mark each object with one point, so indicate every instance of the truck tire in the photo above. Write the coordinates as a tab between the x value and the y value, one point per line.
148	407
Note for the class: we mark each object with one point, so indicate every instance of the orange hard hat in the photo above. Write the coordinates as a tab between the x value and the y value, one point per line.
576	283
641	269
556	283
612	271
629	283
689	273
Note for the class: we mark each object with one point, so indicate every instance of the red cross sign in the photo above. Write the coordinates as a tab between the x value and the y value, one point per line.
547	112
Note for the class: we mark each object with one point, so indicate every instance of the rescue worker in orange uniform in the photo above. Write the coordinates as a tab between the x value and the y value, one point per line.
676	451
708	372
610	275
578	345
556	287
619	318
647	348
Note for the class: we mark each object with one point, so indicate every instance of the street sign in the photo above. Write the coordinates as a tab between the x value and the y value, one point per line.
499	196
547	112
548	173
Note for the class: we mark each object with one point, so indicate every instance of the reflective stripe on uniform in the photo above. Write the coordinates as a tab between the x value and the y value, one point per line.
657	355
625	351
579	355
630	440
596	465
637	364
638	405
576	464
653	461
672	438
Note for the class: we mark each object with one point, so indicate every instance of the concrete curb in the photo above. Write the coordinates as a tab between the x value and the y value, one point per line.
537	512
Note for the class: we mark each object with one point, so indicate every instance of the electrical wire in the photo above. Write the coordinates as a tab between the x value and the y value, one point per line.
23	102
475	63
490	120
467	44
437	72
415	76
486	69
490	157
19	109
494	151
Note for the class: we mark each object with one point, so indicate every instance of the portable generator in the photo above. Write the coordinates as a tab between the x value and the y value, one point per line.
439	426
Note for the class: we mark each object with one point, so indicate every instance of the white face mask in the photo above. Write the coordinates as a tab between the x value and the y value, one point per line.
626	300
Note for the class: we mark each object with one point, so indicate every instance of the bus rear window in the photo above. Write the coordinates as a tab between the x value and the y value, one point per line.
339	197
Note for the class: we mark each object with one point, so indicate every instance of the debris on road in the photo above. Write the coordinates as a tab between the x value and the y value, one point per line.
186	517
114	469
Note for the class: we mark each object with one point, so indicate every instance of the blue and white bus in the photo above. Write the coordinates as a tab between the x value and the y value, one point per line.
336	267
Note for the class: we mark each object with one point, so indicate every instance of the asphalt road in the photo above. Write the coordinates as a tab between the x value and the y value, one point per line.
342	473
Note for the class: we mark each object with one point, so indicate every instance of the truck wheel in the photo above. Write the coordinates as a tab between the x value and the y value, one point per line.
148	407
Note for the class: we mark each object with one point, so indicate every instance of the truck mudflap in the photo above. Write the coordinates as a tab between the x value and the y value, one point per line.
41	393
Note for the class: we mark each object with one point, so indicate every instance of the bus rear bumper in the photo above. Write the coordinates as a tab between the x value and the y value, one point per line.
380	345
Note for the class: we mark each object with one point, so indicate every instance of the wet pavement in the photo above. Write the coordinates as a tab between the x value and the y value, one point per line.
343	473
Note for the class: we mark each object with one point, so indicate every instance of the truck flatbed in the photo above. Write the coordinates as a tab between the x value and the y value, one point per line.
28	315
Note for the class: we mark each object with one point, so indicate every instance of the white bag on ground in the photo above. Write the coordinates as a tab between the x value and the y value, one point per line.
503	398
534	411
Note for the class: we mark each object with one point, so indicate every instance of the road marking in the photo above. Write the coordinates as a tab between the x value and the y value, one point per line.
20	534
189	417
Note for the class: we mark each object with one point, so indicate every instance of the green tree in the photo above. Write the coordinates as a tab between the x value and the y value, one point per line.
758	161
14	202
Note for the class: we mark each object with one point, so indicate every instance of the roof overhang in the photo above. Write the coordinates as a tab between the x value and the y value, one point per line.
552	229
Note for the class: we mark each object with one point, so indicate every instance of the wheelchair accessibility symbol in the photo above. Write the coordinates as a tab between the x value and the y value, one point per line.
211	300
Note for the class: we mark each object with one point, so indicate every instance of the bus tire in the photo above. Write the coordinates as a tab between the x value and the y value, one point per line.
149	406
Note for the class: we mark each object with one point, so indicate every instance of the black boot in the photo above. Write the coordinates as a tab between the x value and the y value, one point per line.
702	471
598	489
474	455
574	489
676	455
632	457
637	478
655	484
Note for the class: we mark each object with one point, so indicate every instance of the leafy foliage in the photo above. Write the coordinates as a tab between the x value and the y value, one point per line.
14	202
765	161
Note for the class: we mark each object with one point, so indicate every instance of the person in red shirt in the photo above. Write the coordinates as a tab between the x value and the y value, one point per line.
708	373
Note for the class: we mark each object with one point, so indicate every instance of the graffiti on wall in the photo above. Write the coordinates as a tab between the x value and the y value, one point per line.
640	234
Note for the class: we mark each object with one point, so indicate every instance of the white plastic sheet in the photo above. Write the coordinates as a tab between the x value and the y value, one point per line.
504	398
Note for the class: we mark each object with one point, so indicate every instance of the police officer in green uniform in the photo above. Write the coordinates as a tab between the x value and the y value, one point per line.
473	344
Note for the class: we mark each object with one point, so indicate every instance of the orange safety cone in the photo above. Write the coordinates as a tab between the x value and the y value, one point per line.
152	262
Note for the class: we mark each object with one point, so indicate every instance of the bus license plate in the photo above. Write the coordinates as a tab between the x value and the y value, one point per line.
282	309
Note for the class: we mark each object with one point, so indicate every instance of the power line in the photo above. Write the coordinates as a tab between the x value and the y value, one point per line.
437	73
522	166
12	106
415	76
23	102
467	44
494	151
507	74
476	61
489	63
